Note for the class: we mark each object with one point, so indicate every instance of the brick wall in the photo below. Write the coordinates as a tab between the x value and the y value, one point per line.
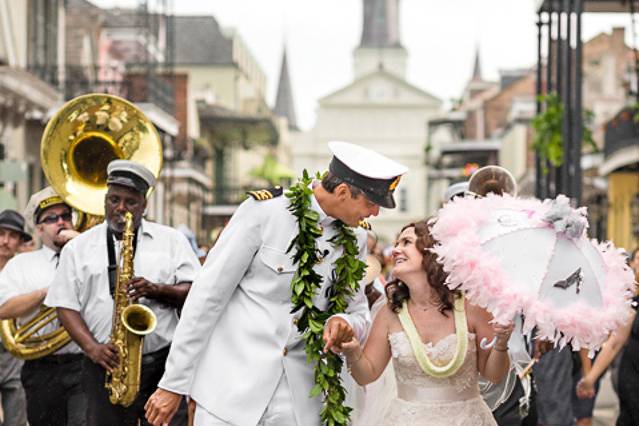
180	90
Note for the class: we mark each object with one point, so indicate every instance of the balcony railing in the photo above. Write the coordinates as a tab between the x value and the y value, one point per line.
135	86
229	195
622	131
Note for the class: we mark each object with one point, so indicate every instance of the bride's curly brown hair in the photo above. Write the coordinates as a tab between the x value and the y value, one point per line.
397	292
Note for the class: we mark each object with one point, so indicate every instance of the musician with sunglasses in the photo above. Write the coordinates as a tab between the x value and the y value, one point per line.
52	383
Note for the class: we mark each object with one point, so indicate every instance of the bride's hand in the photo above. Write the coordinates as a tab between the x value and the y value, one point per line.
502	333
585	389
352	348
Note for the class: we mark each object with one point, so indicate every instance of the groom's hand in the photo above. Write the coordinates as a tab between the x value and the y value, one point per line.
161	407
336	332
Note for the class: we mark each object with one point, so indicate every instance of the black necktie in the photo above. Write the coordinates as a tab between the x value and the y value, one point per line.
57	260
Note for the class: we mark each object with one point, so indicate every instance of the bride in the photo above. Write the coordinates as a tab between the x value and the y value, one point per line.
433	336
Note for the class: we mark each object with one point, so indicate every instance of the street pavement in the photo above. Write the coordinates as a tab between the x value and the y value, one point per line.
606	405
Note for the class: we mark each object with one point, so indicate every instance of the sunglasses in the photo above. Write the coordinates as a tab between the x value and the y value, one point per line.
50	220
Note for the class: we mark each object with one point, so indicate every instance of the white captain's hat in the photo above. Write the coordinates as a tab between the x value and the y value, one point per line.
39	202
455	190
130	174
376	175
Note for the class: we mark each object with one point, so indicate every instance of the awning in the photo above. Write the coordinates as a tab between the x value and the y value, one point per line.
219	210
28	90
161	119
628	156
231	126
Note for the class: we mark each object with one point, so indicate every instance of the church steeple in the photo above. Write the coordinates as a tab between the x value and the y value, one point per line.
477	67
284	105
380	47
380	23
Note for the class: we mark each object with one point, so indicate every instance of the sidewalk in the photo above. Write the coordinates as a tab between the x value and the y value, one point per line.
607	405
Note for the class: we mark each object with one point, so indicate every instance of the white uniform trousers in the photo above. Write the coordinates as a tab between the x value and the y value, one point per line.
279	411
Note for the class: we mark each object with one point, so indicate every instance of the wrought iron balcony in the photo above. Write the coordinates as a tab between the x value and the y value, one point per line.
621	131
621	146
135	86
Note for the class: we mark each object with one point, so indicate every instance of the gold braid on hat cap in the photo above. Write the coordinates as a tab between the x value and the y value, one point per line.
50	201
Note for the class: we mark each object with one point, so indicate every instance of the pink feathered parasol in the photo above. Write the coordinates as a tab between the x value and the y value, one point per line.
513	255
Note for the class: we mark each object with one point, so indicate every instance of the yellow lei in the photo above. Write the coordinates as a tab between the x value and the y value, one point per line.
461	330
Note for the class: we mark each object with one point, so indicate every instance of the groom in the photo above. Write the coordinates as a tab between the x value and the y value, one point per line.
237	351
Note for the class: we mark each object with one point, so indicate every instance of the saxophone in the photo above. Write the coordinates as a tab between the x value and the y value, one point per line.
131	322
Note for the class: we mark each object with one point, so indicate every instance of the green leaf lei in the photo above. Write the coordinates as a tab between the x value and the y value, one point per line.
349	270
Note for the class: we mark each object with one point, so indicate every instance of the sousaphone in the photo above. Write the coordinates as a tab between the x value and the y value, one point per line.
83	137
492	179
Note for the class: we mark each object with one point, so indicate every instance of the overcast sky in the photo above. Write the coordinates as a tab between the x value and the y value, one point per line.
440	36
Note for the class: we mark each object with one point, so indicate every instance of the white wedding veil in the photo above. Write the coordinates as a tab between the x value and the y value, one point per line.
496	394
370	402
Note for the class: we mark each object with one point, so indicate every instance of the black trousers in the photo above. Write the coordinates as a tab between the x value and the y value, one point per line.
507	414
54	390
101	412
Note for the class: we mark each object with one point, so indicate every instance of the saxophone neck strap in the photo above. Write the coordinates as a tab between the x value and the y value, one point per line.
113	264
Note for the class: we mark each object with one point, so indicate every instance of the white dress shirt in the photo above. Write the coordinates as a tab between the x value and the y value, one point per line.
163	256
237	318
28	272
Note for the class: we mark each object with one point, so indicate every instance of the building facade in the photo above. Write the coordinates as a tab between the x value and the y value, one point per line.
380	110
32	40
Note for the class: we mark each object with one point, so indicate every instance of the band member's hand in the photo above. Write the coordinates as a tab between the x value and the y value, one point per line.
42	293
502	334
336	332
585	389
68	234
161	407
105	355
141	287
190	411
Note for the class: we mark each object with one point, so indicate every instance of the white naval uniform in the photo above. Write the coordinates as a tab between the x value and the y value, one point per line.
28	272
237	339
163	255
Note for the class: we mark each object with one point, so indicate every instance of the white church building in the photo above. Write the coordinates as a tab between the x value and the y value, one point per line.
380	110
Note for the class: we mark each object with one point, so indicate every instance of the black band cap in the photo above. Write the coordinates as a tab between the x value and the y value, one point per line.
130	180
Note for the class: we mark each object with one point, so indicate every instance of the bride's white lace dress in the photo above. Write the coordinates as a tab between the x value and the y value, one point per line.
425	400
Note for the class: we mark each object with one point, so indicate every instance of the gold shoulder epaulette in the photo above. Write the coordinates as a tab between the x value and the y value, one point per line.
365	225
266	194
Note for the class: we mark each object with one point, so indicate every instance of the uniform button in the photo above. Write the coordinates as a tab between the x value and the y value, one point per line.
295	321
285	351
280	269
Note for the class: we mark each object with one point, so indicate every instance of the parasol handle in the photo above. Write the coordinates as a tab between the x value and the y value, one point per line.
485	345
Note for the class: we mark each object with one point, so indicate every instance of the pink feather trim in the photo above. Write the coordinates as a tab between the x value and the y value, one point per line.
478	273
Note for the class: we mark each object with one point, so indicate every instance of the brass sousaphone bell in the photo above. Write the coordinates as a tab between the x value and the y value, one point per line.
87	134
81	139
492	179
